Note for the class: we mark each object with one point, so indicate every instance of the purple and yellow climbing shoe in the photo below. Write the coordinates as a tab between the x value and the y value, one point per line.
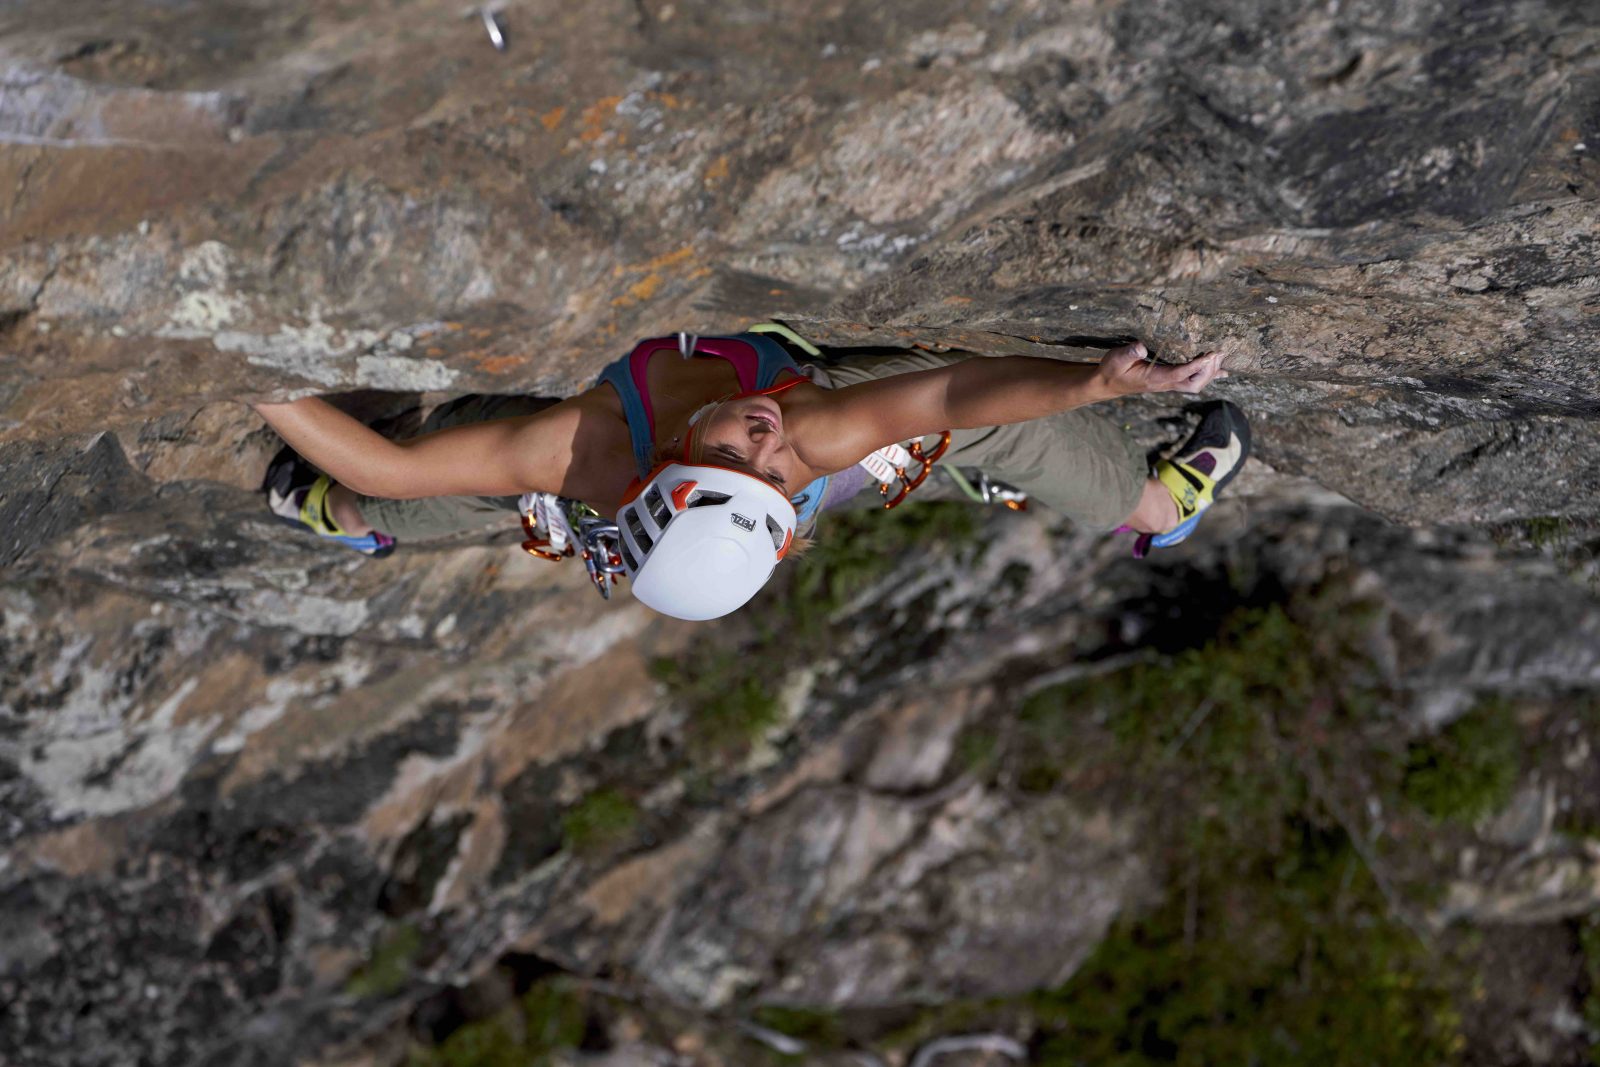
1205	463
297	494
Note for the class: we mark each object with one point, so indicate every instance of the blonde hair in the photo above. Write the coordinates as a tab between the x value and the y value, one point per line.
696	453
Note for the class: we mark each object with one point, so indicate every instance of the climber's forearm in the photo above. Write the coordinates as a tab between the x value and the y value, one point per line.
997	392
349	452
852	421
992	392
500	457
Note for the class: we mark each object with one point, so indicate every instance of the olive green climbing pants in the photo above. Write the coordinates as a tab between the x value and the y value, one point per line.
1078	463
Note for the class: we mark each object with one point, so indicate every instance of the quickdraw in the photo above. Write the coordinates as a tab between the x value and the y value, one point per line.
911	453
559	527
994	492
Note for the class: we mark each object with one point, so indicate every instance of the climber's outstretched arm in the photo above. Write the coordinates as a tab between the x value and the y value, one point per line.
986	392
503	457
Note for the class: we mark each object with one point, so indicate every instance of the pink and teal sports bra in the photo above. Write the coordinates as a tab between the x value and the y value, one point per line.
757	359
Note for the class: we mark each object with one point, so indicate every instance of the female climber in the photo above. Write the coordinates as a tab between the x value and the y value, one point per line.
713	451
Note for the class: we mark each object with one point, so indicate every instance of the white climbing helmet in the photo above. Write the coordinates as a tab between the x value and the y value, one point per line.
699	540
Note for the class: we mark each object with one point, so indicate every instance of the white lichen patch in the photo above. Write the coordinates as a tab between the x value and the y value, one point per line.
962	40
1082	40
319	351
53	109
202	313
312	350
122	768
403	373
702	972
207	263
307	613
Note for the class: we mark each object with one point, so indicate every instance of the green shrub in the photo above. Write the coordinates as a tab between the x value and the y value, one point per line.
389	965
550	1018
484	1043
602	820
553	1016
1469	769
730	703
1276	944
818	1028
1545	530
854	547
1205	715
1589	946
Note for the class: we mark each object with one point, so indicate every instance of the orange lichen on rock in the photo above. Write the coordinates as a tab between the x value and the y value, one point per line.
594	118
499	364
641	290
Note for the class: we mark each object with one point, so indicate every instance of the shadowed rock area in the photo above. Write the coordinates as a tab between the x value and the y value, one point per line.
262	802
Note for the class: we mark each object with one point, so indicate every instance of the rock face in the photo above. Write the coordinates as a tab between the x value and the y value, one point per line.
234	765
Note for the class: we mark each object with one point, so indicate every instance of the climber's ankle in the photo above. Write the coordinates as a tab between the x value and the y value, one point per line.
342	508
1157	511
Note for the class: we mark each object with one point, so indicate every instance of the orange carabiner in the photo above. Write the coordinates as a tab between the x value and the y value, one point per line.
535	545
927	459
938	452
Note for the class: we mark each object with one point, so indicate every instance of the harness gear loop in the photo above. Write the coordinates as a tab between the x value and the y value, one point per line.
909	484
559	527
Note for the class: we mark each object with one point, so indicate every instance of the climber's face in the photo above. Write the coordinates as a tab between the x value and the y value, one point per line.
747	433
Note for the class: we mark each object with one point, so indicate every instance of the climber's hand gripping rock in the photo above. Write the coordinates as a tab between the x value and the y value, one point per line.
1129	370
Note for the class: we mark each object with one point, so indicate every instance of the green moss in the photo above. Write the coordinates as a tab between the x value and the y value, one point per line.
1589	948
1542	530
817	1028
489	1042
554	1016
1578	824
389	965
976	750
602	820
1470	768
549	1018
730	702
952	1017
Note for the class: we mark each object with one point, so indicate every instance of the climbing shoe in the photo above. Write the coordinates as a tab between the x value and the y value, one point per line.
1199	470
297	494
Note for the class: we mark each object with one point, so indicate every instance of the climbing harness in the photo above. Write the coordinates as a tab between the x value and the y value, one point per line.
559	527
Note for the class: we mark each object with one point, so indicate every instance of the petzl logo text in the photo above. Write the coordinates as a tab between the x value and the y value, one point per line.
740	520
